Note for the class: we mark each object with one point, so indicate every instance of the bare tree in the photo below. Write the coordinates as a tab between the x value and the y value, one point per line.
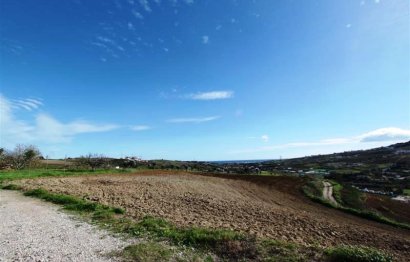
3	158
93	161
23	156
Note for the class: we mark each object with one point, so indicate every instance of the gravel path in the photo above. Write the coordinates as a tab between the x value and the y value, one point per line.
33	230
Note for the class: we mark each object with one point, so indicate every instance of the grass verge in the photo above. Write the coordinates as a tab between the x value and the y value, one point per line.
150	251
9	175
73	203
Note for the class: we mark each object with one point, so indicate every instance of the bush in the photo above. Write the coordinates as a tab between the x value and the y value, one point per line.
357	254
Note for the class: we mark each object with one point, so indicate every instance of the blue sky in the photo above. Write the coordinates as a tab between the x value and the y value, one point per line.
204	80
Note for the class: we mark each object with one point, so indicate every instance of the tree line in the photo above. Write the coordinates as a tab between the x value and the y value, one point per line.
22	156
29	156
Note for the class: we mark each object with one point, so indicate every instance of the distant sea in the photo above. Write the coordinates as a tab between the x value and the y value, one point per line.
240	161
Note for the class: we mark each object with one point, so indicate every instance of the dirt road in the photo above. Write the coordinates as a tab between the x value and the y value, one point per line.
328	192
32	230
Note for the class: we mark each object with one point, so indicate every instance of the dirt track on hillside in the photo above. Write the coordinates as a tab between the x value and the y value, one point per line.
265	206
328	193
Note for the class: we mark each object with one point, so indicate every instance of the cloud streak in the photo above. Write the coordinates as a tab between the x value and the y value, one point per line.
140	128
28	104
196	120
214	95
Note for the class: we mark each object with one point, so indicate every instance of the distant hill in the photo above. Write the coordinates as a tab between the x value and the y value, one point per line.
384	168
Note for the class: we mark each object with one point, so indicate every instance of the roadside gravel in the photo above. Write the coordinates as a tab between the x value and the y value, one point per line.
33	230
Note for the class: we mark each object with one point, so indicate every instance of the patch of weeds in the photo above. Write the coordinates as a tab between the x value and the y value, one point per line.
337	192
150	252
274	250
375	217
357	254
225	243
352	197
313	188
10	187
71	203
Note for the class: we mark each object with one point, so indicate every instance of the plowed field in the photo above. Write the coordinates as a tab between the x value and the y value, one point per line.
271	207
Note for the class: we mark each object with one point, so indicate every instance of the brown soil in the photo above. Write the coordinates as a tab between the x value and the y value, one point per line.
271	207
397	210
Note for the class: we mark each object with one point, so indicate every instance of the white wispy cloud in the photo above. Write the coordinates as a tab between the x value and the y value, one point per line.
145	5
106	40
108	45
43	128
193	119
205	39
130	26
140	128
213	95
137	14
27	104
265	138
382	135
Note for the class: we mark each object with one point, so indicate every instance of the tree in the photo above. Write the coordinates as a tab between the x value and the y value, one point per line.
23	156
93	161
3	158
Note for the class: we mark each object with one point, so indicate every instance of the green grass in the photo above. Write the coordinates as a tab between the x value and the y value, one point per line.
314	188
357	254
351	197
348	196
150	252
337	188
225	243
10	187
8	175
406	192
73	203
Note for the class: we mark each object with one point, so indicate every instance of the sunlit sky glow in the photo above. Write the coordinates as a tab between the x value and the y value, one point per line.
204	80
